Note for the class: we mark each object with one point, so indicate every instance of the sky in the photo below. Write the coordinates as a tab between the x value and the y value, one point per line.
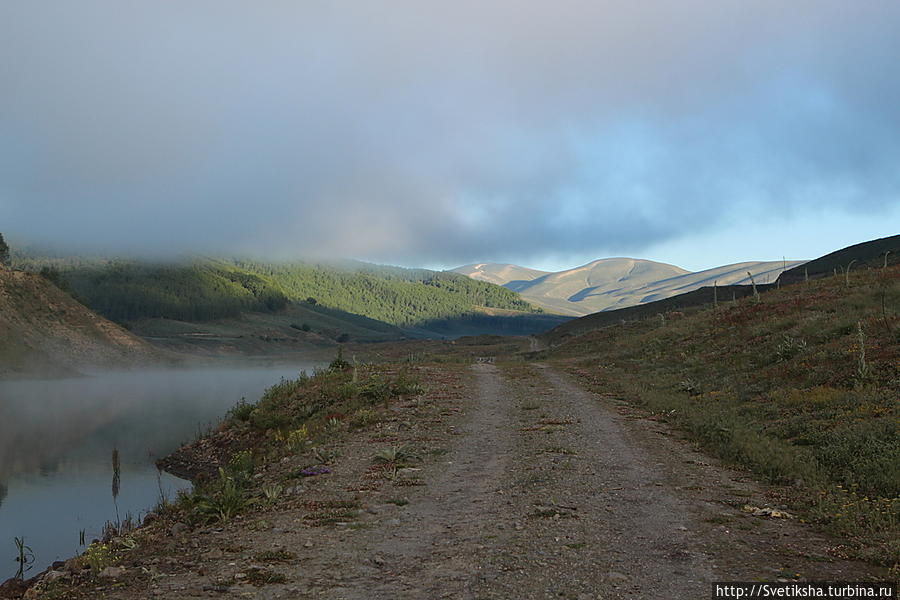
422	133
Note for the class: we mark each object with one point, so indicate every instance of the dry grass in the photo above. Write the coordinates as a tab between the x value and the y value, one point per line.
787	387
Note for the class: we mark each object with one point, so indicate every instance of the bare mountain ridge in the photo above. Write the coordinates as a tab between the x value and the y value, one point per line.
612	283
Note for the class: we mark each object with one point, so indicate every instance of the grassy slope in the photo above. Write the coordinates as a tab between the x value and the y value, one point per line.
787	387
865	254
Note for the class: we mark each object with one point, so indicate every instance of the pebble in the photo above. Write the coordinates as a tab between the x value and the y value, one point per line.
113	572
51	576
616	576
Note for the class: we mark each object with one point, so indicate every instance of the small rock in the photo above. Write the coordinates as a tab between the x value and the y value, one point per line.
616	577
74	565
113	572
178	528
32	593
682	528
519	527
378	560
51	576
307	544
215	553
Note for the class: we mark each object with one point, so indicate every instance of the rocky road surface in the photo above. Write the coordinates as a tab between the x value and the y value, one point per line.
527	486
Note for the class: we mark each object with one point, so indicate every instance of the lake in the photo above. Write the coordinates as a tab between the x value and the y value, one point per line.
57	439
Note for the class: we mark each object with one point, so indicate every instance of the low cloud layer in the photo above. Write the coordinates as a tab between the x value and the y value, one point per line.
420	132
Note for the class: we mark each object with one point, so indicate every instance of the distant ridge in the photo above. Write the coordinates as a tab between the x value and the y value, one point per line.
613	283
509	276
865	254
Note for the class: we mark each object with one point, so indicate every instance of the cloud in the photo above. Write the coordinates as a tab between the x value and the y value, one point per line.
422	132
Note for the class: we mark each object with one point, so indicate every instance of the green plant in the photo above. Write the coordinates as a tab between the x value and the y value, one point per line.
363	418
339	364
272	492
376	390
260	577
25	556
99	556
394	454
405	385
295	440
223	502
270	556
241	411
240	465
789	347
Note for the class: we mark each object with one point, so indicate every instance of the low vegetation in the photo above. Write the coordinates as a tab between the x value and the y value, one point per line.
799	385
292	416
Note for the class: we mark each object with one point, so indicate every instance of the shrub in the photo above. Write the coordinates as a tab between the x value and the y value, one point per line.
241	411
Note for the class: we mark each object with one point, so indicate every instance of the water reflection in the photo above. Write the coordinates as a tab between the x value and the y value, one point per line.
62	442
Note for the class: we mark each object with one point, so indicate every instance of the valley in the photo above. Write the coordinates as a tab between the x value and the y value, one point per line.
627	447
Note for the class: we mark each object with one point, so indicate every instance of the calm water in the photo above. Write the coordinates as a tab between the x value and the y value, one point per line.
57	439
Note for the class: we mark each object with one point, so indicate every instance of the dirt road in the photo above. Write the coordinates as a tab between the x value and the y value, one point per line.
528	487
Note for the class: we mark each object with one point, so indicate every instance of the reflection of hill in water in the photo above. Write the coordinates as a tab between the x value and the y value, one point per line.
48	426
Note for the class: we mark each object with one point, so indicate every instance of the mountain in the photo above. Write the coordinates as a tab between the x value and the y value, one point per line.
509	276
44	331
613	283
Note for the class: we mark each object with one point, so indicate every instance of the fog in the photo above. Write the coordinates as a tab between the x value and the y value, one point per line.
57	439
422	132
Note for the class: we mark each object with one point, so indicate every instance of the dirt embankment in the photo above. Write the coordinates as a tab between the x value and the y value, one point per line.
526	486
44	331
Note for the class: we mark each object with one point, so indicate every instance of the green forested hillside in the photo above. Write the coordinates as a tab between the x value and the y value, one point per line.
206	289
391	294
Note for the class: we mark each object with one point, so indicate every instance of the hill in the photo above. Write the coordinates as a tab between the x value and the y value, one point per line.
799	386
223	305
43	330
614	283
874	253
657	309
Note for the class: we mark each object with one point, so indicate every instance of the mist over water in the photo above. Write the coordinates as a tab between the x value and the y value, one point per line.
57	439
